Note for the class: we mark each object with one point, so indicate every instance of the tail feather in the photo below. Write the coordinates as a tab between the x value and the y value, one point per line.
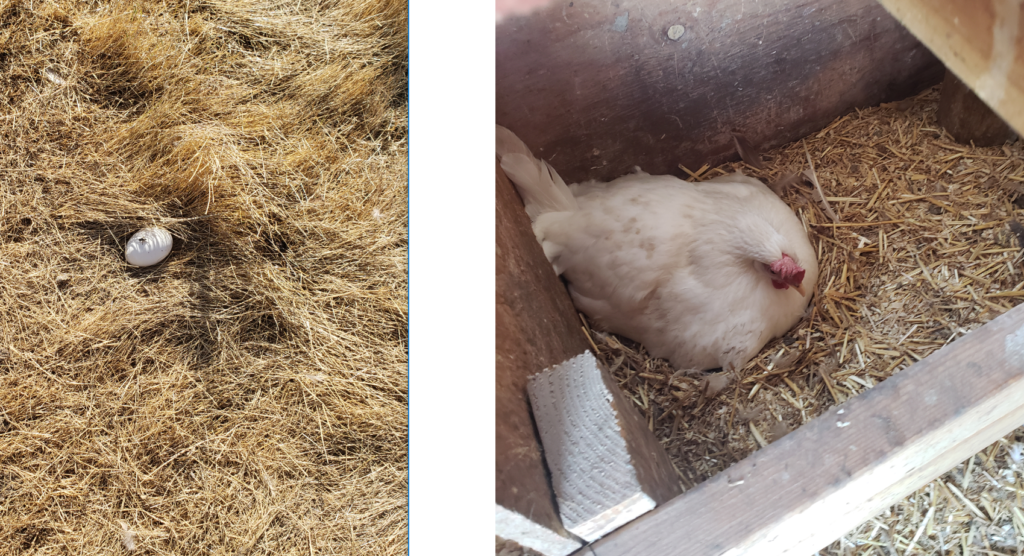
508	143
540	186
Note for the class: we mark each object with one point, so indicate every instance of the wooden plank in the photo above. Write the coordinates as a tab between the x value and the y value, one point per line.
801	493
606	466
598	87
967	118
536	327
981	41
512	525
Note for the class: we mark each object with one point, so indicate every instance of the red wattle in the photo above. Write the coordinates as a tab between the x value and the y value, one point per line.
780	285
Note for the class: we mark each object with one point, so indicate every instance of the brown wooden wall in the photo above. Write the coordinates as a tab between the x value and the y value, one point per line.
536	327
981	41
598	87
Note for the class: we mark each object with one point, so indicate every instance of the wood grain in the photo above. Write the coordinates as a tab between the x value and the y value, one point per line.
815	484
981	41
606	466
598	87
536	327
967	118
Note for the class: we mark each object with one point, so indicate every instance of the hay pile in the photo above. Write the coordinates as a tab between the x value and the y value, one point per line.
925	251
248	394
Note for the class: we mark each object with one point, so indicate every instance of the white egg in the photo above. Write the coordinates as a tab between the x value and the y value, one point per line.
148	246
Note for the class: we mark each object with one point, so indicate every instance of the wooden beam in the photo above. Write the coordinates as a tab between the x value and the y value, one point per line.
599	87
801	493
536	327
981	41
967	118
606	466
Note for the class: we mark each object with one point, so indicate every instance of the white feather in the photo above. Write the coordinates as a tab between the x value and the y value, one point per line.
675	265
539	185
507	142
127	537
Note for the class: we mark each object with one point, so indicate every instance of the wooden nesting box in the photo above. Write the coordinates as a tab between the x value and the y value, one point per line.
597	88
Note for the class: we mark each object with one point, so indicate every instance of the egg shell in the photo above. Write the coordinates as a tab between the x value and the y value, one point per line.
148	246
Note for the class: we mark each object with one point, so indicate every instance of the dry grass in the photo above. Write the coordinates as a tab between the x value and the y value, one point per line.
924	252
248	394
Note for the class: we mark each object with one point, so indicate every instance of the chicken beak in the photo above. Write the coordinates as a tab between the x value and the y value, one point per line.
800	288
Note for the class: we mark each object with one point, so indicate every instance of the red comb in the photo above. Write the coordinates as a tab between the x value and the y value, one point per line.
787	268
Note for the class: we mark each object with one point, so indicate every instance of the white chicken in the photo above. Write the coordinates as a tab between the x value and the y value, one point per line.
701	274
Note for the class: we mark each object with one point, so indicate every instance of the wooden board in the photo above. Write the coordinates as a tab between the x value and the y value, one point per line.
799	494
598	87
981	41
514	526
606	466
967	118
536	327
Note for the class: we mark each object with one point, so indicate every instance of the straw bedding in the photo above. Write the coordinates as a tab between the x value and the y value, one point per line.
248	394
924	251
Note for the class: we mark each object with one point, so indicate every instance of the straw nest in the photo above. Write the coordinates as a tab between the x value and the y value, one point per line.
927	248
248	394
